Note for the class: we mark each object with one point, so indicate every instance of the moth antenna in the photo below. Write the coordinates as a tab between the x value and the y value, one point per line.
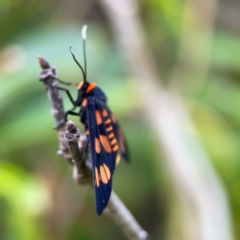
84	73
84	36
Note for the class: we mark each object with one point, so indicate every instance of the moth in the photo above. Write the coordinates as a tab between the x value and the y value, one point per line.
104	135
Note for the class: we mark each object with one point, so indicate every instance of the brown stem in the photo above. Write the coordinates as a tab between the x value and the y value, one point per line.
82	172
48	77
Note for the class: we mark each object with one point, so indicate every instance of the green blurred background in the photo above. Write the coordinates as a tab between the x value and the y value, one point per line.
38	197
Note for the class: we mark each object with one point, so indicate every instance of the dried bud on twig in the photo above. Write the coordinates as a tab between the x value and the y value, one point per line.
43	63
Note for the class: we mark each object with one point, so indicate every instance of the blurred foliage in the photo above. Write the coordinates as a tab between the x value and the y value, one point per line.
23	198
30	143
38	198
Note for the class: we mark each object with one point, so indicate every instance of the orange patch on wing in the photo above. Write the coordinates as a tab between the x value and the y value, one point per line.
84	102
98	117
105	113
91	86
97	145
121	141
109	129
111	135
97	182
113	141
115	148
108	121
80	85
117	159
107	170
105	143
103	174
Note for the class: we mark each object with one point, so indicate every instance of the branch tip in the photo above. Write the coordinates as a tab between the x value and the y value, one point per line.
43	63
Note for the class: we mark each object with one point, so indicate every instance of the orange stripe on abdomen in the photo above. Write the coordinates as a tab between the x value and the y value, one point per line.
114	141
115	148
108	121
105	113
111	135
109	129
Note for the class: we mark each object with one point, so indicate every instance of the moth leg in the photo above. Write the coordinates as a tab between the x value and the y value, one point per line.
70	112
66	83
63	89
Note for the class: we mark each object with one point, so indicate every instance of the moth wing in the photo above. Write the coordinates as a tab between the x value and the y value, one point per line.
102	154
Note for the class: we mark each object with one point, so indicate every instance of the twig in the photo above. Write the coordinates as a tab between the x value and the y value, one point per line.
48	76
124	219
82	169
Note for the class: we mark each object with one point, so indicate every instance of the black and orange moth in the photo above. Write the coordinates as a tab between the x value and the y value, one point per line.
105	137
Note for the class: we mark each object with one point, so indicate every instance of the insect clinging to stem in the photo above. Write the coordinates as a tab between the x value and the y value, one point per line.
103	132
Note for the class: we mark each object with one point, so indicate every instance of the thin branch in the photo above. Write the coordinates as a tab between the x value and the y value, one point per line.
48	76
124	219
82	171
72	145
